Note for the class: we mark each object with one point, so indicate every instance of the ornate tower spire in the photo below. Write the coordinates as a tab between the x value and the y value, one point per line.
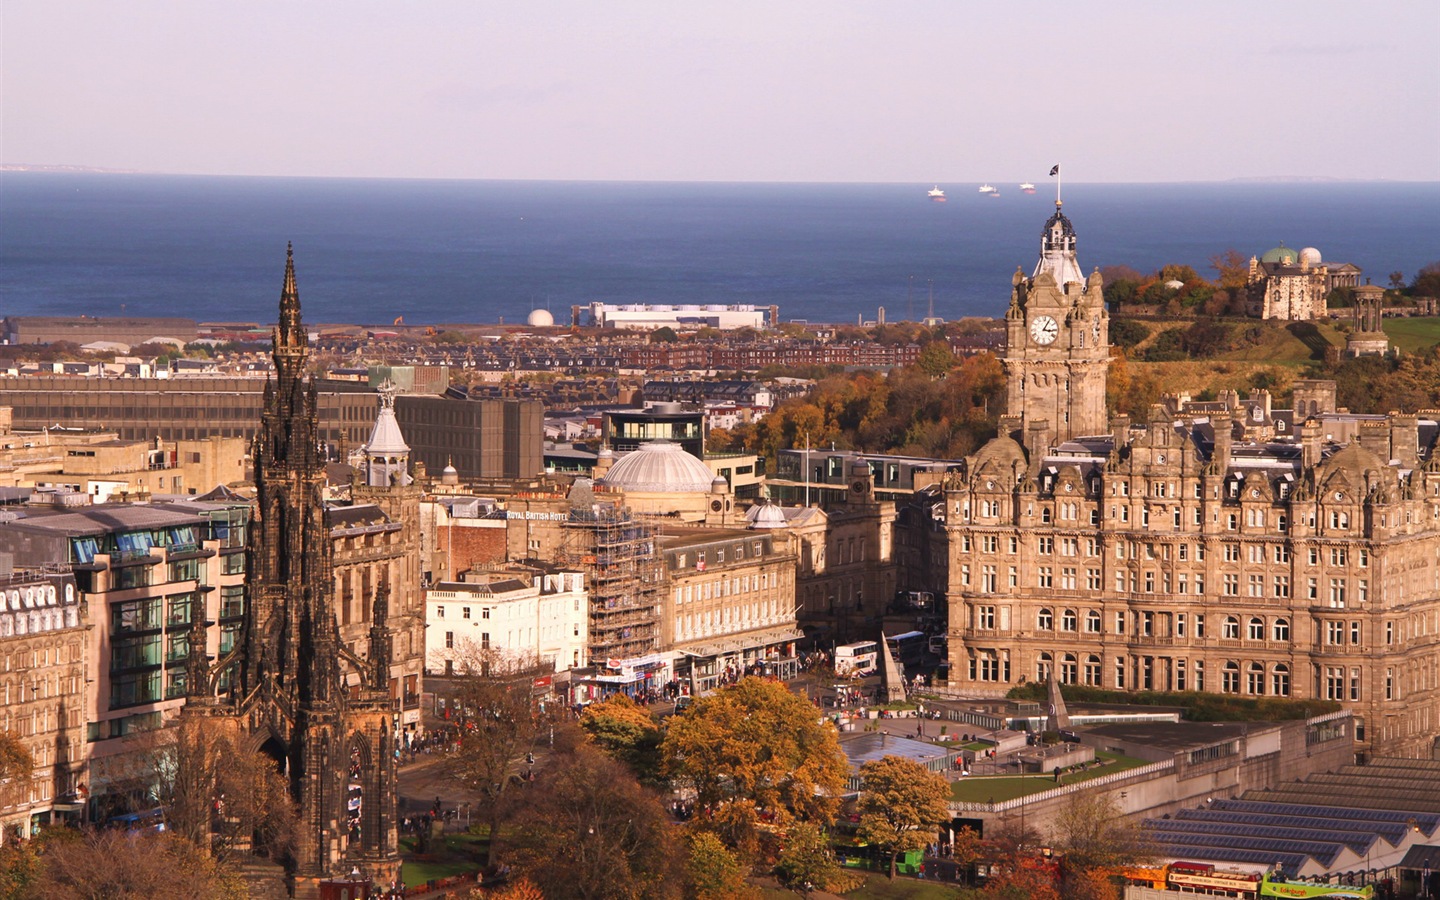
291	344
1057	250
387	456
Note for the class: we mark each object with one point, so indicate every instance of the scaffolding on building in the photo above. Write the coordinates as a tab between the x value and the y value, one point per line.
616	550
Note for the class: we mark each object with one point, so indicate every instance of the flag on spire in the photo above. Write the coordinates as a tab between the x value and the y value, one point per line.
1055	170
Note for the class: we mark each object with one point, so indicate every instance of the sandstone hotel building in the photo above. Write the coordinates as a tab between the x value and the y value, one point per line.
1225	547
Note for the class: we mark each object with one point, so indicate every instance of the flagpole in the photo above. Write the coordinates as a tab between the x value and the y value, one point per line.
1058	179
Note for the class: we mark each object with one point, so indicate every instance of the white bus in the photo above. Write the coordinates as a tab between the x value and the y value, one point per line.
859	658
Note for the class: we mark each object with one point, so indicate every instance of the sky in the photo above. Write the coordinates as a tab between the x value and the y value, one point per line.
893	91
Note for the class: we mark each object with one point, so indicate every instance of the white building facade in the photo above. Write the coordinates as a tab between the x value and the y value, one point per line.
507	615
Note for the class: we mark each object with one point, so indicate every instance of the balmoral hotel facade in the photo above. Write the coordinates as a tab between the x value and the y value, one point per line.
1227	548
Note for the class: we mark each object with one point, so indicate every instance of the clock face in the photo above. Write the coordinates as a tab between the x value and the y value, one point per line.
1044	330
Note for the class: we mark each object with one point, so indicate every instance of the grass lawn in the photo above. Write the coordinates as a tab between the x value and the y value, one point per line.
462	854
878	887
1411	335
998	788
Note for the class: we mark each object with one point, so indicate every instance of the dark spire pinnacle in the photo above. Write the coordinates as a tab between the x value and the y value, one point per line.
380	641
290	338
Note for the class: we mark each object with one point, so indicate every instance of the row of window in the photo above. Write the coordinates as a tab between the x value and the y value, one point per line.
724	587
727	619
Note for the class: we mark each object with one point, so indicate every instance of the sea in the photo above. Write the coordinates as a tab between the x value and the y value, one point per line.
371	251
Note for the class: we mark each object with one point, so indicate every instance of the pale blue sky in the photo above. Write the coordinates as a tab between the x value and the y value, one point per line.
740	91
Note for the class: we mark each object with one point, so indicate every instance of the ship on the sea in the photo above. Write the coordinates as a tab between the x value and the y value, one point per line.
1028	188
988	189
936	194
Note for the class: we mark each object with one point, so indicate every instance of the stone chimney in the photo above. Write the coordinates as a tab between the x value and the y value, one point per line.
1037	439
1375	437
1405	440
1224	439
1310	437
1009	426
1120	426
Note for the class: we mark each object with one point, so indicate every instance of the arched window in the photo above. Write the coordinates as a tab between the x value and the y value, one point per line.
1045	619
1069	621
1231	628
1230	678
1255	679
1092	622
1069	669
1280	630
1043	663
1255	629
1092	670
1280	680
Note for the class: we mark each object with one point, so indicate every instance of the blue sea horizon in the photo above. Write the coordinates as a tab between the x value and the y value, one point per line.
437	251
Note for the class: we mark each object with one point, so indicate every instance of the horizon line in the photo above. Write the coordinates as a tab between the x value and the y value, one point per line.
64	168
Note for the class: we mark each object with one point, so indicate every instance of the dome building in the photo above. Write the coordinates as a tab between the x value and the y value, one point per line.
661	479
540	318
1293	285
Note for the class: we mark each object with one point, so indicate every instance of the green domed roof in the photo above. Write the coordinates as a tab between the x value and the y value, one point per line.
1281	254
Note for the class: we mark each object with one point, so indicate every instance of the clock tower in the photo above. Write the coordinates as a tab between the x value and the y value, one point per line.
1057	348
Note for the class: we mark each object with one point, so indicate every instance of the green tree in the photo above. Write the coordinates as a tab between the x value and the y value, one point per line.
807	860
751	747
935	359
1397	280
664	335
1126	333
902	806
712	872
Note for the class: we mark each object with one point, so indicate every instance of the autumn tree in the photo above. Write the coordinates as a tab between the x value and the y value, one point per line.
112	863
712	872
902	806
751	747
21	866
16	767
1232	268
1094	835
217	790
807	860
590	831
626	733
499	717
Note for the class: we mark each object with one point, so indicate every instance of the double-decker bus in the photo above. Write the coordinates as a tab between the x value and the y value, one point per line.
859	658
908	649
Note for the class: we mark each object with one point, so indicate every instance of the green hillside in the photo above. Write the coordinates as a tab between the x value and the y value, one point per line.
1412	335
